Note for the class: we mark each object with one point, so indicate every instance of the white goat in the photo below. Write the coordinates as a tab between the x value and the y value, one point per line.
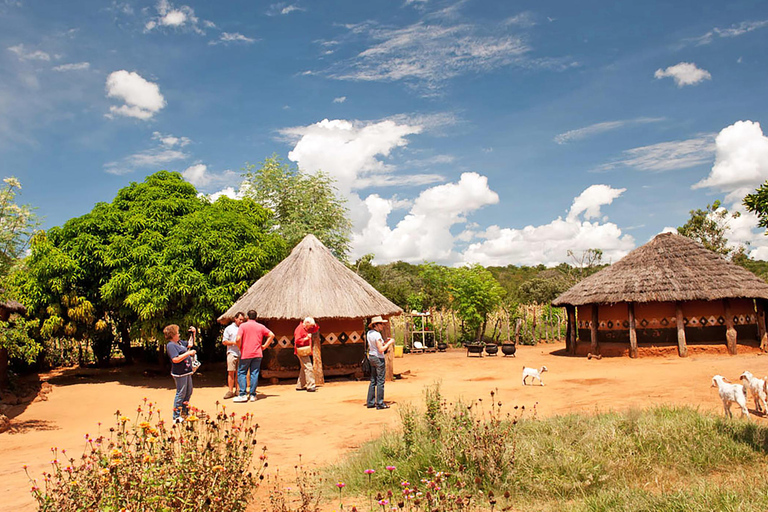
757	388
730	393
533	373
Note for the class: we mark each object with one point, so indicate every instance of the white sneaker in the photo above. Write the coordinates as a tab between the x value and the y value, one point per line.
240	398
253	398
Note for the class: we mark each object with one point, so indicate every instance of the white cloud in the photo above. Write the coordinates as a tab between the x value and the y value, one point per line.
24	54
741	166
229	192
340	99
348	150
549	244
425	232
199	175
425	55
732	31
168	150
178	18
170	141
232	37
597	128
77	66
590	201
684	73
741	161
142	98
283	8
666	156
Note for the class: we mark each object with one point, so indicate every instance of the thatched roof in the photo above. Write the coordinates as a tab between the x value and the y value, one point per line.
670	267
13	306
311	281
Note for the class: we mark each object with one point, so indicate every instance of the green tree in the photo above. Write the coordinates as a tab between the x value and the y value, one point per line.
301	204
708	227
17	223
157	254
475	294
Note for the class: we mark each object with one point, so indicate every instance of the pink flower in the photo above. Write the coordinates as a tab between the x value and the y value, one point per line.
370	471
391	468
383	502
340	485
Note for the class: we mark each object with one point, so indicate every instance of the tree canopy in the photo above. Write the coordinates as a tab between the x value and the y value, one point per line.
301	204
709	227
158	254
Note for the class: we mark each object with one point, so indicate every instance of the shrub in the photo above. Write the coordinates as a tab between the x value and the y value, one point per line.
146	465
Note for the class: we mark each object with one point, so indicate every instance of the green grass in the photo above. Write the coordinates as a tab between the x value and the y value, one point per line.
662	458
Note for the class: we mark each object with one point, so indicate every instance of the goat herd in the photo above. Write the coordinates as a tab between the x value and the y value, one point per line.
737	393
729	393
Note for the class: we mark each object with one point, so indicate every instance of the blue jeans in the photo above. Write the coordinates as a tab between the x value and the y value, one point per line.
376	387
244	367
183	394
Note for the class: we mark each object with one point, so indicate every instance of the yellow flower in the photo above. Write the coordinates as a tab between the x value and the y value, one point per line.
116	454
123	419
152	440
145	425
192	418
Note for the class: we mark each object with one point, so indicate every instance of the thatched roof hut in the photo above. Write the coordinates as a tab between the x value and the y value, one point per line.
670	274
312	282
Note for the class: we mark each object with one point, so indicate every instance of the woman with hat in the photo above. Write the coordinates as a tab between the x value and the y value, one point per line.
376	349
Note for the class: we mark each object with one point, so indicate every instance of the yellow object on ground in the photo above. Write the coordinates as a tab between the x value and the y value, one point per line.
398	351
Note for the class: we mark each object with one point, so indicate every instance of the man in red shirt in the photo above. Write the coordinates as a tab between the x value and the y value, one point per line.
250	341
302	337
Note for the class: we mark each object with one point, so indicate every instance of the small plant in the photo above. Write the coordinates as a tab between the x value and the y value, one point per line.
146	465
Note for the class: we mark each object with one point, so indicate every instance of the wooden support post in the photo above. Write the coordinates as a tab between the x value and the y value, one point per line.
632	330
389	357
761	331
594	347
317	360
682	345
572	328
730	332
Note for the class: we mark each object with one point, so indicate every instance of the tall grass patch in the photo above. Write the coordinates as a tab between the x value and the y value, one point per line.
495	456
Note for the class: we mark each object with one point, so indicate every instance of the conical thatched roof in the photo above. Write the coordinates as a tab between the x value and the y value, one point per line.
670	267
311	281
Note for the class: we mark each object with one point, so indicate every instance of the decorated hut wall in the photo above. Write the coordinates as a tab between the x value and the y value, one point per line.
670	291
312	282
656	322
341	345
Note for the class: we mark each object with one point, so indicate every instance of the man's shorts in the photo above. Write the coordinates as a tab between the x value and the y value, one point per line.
232	361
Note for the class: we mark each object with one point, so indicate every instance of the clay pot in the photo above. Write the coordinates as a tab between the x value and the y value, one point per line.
491	349
442	346
474	348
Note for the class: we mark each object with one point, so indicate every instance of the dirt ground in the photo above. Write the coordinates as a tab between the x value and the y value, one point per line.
323	426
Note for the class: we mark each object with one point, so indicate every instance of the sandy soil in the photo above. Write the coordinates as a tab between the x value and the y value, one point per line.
334	418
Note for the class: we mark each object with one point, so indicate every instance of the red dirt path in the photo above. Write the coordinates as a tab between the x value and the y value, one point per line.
334	418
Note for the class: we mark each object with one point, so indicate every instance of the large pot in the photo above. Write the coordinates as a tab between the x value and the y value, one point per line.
491	349
508	349
442	346
474	348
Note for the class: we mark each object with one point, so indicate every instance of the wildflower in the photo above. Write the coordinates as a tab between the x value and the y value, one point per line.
341	485
152	440
383	503
192	418
391	468
124	419
370	471
405	483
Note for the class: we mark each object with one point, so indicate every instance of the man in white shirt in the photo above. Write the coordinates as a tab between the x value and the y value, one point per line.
229	339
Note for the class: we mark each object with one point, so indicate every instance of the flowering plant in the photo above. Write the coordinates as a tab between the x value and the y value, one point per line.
145	464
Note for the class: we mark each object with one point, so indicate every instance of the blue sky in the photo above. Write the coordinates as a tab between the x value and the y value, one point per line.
459	131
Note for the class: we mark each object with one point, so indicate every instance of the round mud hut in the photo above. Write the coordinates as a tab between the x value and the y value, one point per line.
312	282
669	293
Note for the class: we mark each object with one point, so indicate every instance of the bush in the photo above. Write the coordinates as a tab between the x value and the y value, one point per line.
145	465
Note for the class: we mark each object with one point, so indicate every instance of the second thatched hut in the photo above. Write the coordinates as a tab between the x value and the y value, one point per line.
312	282
670	291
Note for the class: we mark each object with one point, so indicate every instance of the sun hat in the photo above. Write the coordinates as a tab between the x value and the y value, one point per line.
377	320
